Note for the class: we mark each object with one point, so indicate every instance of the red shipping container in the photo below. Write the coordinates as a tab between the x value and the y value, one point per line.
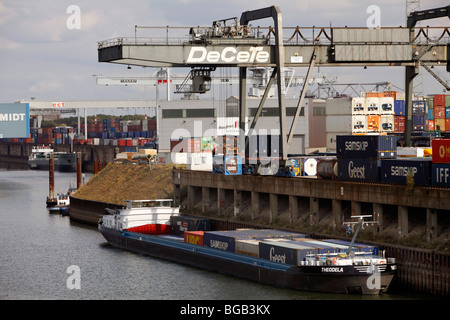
194	237
441	150
447	124
399	123
430	124
439	112
439	100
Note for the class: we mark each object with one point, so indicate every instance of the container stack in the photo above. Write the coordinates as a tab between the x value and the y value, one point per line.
439	112
359	156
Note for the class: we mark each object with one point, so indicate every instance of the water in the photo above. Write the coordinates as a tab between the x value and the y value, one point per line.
37	248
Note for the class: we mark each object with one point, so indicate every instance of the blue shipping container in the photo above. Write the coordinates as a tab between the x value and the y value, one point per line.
233	165
280	251
430	114
360	170
419	122
399	107
366	147
397	170
447	112
441	175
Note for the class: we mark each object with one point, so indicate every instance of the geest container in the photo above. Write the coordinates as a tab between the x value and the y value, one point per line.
284	252
181	224
440	175
359	170
441	150
397	170
366	147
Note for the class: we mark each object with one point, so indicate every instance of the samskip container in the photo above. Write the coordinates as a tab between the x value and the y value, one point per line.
398	171
366	147
440	175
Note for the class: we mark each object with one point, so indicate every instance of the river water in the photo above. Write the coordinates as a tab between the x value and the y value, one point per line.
38	249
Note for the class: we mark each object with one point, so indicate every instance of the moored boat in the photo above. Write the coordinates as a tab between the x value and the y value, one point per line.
283	260
61	204
39	159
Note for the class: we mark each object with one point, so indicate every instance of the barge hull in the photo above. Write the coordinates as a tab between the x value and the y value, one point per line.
303	278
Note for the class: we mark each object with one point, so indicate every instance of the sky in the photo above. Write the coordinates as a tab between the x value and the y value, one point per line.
49	49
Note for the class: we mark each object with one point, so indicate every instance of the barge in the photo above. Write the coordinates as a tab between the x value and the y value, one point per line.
285	259
39	159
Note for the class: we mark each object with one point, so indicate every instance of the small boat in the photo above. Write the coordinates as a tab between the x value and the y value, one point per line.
62	204
144	227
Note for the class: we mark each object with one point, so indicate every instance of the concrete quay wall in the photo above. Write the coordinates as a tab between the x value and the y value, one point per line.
303	197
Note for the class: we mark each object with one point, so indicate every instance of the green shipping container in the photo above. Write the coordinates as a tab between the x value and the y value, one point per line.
430	102
447	100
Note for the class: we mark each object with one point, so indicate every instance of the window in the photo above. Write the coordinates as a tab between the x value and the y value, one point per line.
172	113
200	113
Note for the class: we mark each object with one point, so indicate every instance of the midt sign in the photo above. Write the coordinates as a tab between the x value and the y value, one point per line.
14	120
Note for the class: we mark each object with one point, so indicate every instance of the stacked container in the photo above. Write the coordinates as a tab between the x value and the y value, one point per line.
398	171
441	163
359	156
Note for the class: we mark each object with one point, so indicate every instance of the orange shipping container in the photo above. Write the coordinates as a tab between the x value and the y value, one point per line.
447	124
373	123
392	94
430	124
194	237
439	100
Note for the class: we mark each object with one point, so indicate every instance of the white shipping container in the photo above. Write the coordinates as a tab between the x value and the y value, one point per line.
339	123
359	124
359	105
387	123
247	247
373	105
386	106
201	161
96	141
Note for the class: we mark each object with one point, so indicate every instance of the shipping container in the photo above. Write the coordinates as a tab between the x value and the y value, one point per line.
248	247
399	107
366	146
441	150
386	123
233	165
359	124
359	105
439	124
284	252
419	107
430	114
430	102
431	125
439	112
420	123
180	224
398	171
441	175
359	170
447	112
373	105
194	237
373	123
447	100
439	100
386	106
447	124
399	123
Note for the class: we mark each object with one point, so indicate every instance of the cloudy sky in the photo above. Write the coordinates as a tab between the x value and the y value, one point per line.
41	57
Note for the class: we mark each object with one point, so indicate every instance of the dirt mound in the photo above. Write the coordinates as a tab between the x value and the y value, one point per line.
119	182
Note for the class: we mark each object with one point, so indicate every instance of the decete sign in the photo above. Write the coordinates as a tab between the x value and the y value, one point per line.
14	120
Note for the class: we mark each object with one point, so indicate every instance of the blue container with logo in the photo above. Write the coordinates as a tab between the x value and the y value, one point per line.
440	176
366	147
396	171
399	107
359	170
233	165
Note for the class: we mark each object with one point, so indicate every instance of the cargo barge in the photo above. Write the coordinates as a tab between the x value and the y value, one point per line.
281	259
39	159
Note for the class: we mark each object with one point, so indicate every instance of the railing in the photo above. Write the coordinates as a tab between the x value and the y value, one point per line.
292	35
